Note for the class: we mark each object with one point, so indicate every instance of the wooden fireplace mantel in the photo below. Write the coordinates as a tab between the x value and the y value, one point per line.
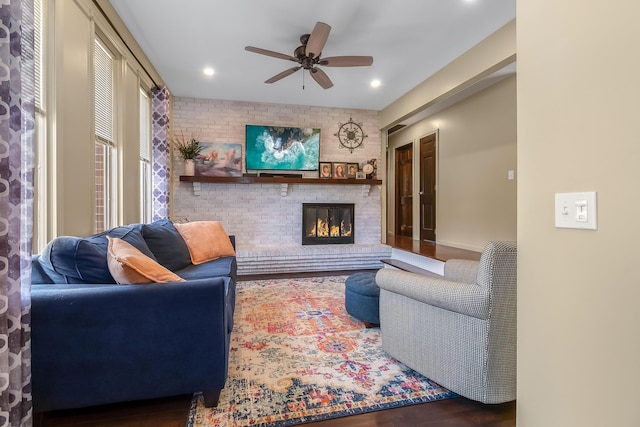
278	180
282	180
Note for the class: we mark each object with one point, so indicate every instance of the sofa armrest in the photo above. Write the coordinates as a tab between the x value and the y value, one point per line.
464	298
107	343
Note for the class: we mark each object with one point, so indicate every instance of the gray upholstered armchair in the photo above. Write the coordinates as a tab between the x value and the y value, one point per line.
459	331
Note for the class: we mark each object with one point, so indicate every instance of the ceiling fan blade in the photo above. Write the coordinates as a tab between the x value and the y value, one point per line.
270	53
283	74
317	39
321	77
346	61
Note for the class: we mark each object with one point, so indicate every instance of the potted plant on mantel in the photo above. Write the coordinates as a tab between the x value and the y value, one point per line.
189	148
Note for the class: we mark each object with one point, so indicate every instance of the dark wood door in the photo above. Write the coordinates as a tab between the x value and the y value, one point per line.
404	190
428	188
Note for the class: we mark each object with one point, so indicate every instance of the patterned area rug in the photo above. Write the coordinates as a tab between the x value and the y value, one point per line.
297	356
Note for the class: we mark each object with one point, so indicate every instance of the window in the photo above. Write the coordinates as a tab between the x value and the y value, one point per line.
40	137
105	147
145	158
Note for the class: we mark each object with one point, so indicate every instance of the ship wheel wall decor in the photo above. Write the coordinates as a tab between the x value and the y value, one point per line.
350	134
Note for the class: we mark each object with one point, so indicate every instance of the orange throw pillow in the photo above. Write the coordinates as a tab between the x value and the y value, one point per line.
128	265
206	240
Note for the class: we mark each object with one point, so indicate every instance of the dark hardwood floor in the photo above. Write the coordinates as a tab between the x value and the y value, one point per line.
173	411
165	412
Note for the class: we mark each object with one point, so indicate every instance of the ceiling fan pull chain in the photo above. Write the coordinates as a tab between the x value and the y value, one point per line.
303	79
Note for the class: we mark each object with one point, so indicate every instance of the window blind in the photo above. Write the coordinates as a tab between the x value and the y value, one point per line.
38	13
103	65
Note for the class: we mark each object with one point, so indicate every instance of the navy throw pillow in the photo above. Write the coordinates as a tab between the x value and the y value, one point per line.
167	244
84	259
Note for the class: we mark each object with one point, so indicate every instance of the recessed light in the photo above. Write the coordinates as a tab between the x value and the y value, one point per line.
208	71
375	83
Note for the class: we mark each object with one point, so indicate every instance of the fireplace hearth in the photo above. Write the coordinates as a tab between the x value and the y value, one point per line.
328	223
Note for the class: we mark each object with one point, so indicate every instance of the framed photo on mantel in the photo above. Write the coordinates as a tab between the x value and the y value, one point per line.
325	170
352	170
339	171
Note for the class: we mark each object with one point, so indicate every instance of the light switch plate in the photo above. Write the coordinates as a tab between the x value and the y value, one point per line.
576	210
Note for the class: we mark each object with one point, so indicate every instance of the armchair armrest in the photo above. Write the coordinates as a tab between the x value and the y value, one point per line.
461	270
464	298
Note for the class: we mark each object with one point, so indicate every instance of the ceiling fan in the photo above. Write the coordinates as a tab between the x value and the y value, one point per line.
308	57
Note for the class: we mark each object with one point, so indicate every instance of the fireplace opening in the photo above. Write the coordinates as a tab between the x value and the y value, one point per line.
327	223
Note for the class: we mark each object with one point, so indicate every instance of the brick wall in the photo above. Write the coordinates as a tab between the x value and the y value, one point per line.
258	214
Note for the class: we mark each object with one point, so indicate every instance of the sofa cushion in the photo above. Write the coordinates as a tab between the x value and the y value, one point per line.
128	265
167	244
84	259
206	240
220	267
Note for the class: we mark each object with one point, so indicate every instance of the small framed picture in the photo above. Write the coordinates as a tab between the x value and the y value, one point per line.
361	175
325	170
352	170
339	170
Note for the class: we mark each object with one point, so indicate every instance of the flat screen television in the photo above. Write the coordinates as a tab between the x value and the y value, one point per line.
282	148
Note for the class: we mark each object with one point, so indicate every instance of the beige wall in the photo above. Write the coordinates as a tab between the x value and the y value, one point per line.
476	146
578	290
488	56
70	121
69	108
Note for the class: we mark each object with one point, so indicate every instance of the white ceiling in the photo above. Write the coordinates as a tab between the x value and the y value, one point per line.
408	39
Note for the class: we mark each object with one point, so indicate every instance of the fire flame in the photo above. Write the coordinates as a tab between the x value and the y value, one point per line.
322	229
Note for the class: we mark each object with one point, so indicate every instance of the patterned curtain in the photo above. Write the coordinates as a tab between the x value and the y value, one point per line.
16	209
160	152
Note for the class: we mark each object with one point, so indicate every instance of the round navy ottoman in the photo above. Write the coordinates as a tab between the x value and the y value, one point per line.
361	298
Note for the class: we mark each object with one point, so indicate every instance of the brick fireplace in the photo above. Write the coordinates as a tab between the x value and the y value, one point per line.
267	223
266	218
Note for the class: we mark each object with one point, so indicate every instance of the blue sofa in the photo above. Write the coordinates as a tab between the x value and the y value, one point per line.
96	342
